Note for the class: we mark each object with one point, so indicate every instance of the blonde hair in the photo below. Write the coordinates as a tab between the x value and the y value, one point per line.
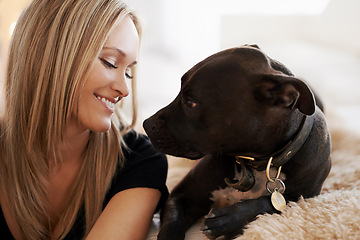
52	48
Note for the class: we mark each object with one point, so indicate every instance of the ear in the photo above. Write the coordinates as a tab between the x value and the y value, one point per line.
252	45
285	91
280	67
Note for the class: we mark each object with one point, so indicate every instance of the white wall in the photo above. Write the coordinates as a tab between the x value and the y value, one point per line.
337	27
323	49
318	39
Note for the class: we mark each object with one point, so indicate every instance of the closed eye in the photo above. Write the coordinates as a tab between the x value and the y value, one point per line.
128	74
108	64
112	66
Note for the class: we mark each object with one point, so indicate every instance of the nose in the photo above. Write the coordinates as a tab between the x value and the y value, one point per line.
120	86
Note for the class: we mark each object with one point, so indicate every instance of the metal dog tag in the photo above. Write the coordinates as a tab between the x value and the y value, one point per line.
278	200
276	187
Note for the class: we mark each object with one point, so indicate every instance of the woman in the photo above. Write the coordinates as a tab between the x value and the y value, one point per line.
69	167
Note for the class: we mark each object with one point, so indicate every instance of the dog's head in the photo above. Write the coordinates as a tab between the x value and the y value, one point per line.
235	101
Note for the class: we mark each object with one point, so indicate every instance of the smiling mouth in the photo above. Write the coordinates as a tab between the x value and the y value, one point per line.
107	102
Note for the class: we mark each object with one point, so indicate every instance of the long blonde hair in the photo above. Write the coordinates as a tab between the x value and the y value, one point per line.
52	48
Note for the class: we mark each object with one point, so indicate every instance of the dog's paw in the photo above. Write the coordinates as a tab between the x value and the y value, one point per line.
224	223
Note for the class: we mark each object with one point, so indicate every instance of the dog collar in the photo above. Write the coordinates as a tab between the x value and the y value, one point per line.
277	159
283	155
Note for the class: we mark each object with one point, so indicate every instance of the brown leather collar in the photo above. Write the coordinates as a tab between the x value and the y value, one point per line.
283	155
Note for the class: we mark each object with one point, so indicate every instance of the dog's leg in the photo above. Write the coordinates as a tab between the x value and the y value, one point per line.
177	216
190	199
230	221
172	218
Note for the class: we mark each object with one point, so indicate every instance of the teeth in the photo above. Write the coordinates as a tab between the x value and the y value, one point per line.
107	102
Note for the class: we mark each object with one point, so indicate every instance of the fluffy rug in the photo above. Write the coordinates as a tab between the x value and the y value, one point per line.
334	214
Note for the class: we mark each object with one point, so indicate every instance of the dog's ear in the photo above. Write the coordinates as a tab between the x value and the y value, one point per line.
280	67
252	45
285	91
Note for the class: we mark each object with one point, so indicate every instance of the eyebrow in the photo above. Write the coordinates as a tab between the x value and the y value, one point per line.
121	53
116	49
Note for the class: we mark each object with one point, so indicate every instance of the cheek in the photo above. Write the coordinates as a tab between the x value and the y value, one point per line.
88	112
96	76
99	76
90	118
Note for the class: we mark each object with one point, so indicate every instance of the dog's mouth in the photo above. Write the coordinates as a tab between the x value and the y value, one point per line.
168	146
166	143
190	155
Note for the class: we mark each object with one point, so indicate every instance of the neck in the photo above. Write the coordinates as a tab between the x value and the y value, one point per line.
277	158
64	175
282	155
71	148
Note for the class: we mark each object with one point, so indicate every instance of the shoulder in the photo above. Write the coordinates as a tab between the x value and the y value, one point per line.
134	139
139	148
144	166
137	141
142	158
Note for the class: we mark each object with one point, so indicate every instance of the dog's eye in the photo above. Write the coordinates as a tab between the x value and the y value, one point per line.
190	104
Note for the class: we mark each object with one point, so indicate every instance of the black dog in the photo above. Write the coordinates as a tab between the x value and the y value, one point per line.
262	140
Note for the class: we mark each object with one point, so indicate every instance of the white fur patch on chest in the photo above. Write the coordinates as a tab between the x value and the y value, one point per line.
228	196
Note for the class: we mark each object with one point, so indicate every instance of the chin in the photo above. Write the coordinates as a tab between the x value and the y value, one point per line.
104	127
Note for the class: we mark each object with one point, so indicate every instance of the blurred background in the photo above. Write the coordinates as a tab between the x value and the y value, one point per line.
319	40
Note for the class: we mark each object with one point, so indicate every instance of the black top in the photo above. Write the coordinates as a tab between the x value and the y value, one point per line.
144	167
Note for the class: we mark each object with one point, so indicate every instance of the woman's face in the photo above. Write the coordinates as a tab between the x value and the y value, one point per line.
106	84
